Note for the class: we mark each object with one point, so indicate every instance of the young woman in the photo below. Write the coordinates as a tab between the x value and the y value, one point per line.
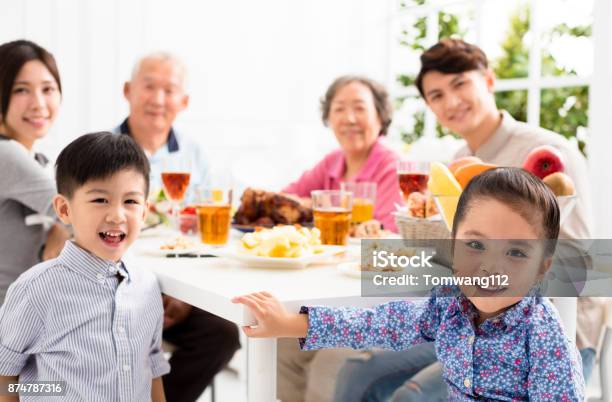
30	96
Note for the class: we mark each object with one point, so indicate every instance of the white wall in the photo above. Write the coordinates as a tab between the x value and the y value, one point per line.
257	69
600	101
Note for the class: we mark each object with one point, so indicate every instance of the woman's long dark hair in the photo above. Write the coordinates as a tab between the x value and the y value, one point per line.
13	55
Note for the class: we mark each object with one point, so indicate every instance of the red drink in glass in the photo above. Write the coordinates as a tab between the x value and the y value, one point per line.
411	182
175	184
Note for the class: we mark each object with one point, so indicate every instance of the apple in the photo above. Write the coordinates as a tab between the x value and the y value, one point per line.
543	161
560	184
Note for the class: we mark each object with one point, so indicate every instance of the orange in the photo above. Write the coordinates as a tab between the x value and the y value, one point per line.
465	173
458	163
441	180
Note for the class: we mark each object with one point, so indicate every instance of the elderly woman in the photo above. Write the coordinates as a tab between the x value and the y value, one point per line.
359	113
30	96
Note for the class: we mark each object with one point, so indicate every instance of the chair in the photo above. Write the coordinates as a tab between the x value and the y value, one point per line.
605	368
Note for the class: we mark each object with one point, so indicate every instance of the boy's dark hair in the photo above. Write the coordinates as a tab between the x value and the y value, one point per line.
379	93
450	56
98	156
13	55
521	191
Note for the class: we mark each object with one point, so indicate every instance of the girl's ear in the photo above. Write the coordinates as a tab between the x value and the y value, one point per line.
62	208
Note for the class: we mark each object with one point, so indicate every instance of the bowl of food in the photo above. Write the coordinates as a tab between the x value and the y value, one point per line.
188	221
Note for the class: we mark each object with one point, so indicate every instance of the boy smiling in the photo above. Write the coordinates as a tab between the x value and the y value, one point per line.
86	318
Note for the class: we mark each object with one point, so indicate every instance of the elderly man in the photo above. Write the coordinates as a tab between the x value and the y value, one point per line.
204	342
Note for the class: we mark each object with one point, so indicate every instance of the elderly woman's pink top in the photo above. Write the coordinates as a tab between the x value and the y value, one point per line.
380	168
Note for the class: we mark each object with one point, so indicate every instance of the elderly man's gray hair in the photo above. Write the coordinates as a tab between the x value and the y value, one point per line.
165	57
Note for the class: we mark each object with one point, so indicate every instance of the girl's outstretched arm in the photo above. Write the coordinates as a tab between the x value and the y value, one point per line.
395	325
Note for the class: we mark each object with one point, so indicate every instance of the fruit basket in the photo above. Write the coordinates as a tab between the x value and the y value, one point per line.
420	228
421	232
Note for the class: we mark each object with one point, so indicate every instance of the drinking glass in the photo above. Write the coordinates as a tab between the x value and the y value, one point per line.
175	186
175	176
364	198
214	210
412	176
332	215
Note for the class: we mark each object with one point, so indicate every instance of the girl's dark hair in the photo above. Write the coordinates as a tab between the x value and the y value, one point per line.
450	56
521	191
379	93
98	156
13	55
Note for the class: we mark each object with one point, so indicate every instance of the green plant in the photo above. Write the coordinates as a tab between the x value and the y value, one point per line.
562	110
448	26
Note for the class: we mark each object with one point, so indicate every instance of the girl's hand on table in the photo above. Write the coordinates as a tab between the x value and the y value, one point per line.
273	320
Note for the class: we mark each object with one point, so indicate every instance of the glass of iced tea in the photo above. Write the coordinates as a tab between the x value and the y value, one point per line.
412	176
332	215
364	198
175	187
214	210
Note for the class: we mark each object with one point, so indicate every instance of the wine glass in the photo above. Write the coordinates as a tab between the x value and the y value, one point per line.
175	176
412	176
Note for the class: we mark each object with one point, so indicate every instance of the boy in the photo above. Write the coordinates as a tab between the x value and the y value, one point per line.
85	318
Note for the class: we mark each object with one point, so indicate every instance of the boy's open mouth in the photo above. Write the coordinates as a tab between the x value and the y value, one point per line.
112	237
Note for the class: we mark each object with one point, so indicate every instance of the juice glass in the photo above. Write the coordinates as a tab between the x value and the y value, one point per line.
412	176
214	216
332	215
364	198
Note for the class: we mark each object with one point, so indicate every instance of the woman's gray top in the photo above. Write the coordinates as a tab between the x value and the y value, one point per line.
25	189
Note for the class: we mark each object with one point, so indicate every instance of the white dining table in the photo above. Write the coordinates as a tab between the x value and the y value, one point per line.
211	283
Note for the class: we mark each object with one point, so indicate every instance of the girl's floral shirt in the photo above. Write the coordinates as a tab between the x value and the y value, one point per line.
522	354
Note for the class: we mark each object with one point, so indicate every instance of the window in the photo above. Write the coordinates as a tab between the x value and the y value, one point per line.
541	51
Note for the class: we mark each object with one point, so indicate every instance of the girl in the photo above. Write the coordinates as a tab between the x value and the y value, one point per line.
493	343
30	95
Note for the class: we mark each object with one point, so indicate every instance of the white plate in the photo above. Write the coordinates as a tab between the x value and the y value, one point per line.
353	269
154	249
158	231
235	252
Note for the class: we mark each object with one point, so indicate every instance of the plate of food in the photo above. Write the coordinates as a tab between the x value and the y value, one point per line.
280	247
174	246
359	269
259	208
369	230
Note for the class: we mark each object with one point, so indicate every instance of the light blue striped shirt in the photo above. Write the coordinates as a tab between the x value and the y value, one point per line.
70	319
